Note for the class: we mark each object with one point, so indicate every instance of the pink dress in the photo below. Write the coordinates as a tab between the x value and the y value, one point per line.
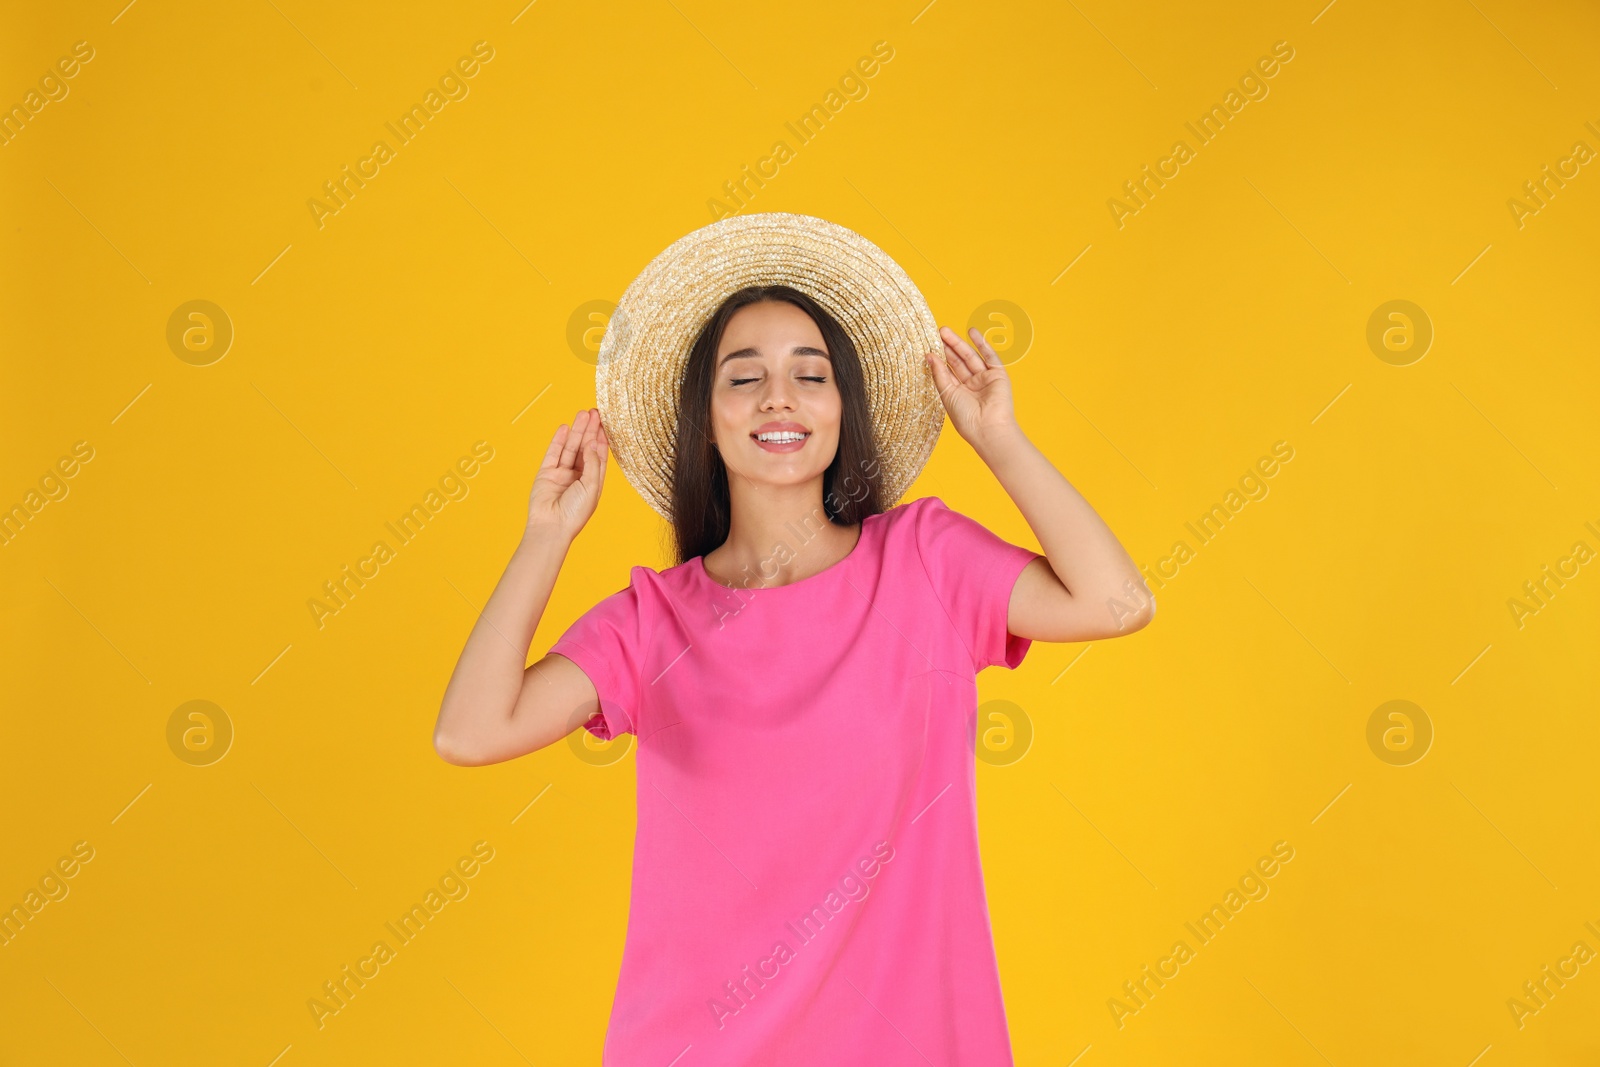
806	883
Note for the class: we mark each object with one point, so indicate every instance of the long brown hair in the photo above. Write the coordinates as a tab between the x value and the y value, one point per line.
701	508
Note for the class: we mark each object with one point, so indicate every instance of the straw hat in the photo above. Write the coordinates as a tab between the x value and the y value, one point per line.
646	344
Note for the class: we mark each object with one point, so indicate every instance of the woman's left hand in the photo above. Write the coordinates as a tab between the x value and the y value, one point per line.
975	388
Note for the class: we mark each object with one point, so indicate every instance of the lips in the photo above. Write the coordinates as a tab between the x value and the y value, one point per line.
781	437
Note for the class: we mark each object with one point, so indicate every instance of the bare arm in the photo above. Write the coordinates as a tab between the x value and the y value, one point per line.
496	707
1087	587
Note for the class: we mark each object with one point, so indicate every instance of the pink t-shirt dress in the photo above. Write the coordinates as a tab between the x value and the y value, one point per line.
806	882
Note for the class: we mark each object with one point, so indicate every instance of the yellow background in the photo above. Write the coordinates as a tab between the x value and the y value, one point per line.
371	353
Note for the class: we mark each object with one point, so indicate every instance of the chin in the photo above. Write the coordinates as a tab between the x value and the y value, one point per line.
777	480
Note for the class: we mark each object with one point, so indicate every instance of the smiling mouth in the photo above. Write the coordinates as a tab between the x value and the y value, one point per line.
781	437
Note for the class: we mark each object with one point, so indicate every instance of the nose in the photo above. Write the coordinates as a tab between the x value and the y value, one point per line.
777	394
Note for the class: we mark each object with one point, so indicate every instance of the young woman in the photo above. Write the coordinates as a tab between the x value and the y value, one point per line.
806	884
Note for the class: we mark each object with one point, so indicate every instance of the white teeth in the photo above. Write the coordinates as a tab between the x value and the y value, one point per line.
780	437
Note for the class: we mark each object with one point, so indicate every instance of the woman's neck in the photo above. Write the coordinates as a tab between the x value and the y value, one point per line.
778	535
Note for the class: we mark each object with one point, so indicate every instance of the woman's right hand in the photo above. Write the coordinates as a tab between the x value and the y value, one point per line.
567	487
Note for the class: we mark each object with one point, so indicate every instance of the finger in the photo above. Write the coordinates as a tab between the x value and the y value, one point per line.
599	464
592	434
552	455
956	363
991	358
943	379
589	432
569	452
953	357
594	468
963	351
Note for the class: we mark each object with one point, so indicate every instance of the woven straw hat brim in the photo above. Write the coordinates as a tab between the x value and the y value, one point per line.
646	344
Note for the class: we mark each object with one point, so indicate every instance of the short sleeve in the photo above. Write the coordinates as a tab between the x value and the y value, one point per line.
608	644
973	572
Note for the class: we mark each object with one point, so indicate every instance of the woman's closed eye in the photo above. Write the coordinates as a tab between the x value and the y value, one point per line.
803	377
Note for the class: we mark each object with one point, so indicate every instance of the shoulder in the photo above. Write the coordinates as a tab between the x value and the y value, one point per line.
949	541
909	513
664	591
929	530
647	591
918	519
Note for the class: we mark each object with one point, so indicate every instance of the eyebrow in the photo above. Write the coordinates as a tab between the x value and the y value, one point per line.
798	350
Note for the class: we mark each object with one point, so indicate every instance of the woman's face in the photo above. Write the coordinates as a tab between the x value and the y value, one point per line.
773	376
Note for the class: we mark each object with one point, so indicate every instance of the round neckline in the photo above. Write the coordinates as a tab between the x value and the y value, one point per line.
837	565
